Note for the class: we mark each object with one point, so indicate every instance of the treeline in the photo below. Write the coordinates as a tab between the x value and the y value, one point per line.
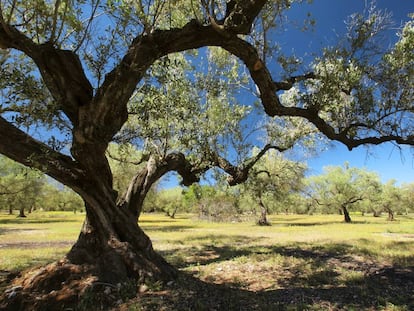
280	186
319	195
277	185
24	190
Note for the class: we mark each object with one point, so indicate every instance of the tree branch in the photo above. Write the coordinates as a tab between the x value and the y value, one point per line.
289	82
22	148
239	174
61	70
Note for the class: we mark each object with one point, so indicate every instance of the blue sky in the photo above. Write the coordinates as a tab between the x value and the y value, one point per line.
387	160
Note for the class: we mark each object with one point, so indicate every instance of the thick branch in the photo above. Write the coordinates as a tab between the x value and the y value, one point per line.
61	70
272	106
240	15
22	148
141	183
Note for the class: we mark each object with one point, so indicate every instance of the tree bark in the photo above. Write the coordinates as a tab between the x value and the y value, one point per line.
21	213
263	214
347	218
113	242
141	183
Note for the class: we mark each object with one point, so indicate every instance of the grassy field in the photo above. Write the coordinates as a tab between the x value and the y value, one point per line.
299	263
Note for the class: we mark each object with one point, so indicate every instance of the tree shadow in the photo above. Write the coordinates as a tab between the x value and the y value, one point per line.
337	278
191	293
315	223
156	221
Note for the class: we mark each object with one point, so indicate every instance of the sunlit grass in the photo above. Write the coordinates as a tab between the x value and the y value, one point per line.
297	251
40	238
367	235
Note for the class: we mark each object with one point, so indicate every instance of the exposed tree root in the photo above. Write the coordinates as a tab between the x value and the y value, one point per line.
63	285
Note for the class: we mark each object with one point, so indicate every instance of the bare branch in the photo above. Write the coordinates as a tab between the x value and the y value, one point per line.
289	82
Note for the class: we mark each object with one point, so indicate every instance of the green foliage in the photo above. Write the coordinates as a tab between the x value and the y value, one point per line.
125	160
170	201
193	114
274	181
358	189
20	187
26	189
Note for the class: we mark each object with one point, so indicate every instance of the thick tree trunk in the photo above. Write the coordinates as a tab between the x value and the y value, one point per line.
263	214
118	248
111	249
347	218
21	213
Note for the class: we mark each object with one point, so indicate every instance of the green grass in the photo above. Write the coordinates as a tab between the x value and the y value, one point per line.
40	238
317	256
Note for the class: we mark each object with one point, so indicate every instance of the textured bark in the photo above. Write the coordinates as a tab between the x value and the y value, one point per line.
141	183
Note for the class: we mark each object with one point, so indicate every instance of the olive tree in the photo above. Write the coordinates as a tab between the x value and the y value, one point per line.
74	72
272	181
342	188
20	186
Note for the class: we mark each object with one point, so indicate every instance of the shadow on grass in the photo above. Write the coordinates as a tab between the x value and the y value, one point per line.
331	277
315	223
378	291
157	221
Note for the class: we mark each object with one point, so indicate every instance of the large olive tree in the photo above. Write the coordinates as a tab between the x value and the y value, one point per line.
73	67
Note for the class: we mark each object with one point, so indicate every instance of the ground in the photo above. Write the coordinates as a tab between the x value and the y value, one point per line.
298	263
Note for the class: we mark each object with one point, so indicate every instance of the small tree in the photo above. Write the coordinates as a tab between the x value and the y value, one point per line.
272	181
20	187
390	199
341	188
407	201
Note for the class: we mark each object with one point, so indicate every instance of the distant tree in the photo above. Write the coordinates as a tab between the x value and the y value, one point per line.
274	179
20	186
391	197
170	201
407	190
341	188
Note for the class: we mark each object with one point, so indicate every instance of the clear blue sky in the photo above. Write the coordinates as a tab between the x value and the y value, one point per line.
386	159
